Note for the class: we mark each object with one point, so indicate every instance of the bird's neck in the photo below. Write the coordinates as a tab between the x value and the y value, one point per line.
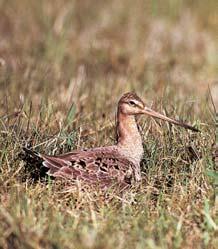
128	137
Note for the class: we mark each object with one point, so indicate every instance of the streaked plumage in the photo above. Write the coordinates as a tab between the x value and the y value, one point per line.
119	163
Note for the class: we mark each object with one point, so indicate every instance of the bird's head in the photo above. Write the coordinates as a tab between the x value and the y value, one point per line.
131	104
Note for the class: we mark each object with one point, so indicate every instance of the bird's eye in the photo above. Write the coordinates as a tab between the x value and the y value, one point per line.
132	103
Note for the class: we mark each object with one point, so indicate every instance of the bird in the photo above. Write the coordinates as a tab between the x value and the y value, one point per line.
118	163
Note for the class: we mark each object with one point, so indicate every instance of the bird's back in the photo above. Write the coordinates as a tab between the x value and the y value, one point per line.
102	165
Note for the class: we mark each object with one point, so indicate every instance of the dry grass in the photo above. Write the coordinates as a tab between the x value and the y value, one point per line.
63	66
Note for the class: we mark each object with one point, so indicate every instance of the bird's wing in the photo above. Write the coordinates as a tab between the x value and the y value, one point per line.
102	165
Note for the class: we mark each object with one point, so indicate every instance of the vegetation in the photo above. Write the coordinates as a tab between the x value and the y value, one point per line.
63	66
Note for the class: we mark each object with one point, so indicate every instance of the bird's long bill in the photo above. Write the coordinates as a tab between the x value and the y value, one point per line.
152	113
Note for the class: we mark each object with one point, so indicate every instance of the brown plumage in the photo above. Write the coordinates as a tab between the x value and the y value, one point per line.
119	163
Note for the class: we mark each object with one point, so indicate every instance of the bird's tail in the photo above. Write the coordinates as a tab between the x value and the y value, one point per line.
33	163
32	153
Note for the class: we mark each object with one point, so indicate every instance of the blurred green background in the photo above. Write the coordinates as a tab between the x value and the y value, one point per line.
96	50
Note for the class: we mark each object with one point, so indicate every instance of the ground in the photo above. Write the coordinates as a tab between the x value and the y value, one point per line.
63	66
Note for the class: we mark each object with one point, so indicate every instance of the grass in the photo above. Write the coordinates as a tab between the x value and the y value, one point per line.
64	65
